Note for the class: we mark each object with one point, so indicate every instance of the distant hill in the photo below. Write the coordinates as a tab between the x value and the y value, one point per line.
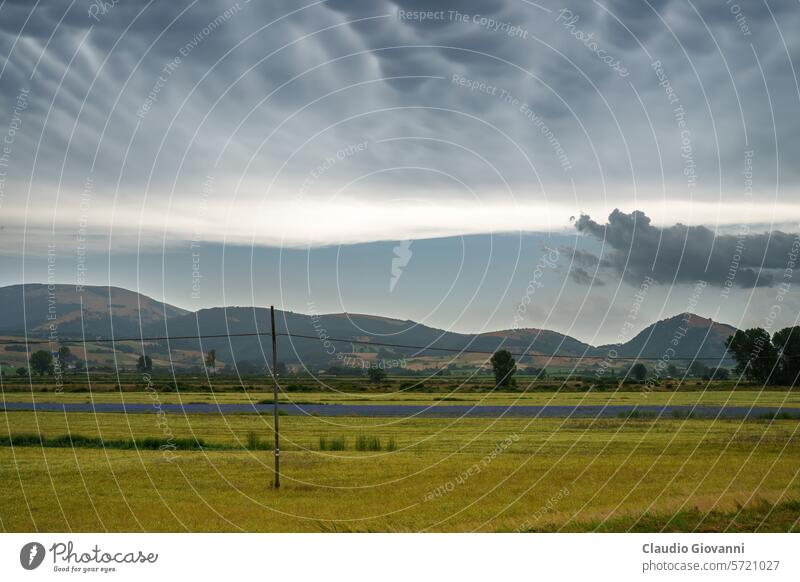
32	307
131	314
693	336
318	349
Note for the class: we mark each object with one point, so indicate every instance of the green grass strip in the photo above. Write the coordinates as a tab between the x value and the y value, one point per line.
66	441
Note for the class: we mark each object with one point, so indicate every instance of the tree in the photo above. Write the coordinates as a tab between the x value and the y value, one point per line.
756	357
504	368
672	371
787	344
211	360
538	373
247	367
41	362
720	374
144	364
376	375
699	370
638	371
22	371
61	360
64	353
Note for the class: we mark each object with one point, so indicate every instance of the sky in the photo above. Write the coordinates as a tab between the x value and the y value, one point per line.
433	161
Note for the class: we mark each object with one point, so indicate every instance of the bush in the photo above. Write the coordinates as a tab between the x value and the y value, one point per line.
376	375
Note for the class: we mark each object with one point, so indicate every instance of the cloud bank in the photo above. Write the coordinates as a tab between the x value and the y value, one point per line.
635	249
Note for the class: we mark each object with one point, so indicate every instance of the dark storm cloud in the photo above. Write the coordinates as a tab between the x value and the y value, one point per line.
466	39
686	254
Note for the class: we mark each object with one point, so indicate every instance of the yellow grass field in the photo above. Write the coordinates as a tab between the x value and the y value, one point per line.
442	475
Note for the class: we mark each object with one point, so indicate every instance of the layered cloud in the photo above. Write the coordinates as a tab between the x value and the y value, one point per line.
490	105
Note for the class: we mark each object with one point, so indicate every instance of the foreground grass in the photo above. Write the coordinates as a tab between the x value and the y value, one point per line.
758	515
459	475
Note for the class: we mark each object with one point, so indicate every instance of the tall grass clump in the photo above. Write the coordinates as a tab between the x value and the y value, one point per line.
253	441
368	443
256	443
331	443
392	445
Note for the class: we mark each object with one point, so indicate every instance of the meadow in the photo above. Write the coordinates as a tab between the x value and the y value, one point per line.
94	472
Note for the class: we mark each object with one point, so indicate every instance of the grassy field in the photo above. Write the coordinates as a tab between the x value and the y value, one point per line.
429	474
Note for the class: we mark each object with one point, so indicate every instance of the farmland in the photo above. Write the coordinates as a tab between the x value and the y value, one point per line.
93	472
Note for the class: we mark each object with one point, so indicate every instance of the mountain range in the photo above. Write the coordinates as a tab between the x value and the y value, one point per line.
38	311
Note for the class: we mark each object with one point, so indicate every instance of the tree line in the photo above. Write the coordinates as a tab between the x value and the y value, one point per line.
764	359
759	358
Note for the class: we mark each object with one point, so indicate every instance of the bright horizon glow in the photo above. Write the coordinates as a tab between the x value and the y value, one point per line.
349	220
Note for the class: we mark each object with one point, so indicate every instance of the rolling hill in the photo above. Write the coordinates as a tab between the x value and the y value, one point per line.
689	335
115	312
34	307
313	336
